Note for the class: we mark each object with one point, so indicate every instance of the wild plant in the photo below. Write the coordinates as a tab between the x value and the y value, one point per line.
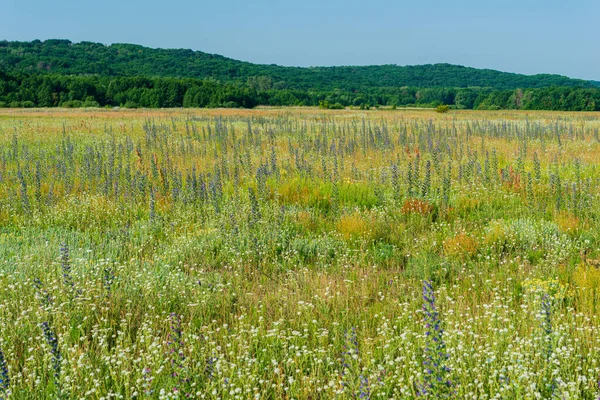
436	378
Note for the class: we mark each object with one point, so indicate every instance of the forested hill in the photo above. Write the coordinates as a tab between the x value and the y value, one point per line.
86	58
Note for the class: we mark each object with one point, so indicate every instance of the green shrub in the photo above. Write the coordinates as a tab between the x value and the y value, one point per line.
131	104
71	104
89	103
442	108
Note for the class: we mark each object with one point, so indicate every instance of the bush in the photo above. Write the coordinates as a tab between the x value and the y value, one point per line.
130	104
230	104
91	103
71	104
359	101
442	108
326	105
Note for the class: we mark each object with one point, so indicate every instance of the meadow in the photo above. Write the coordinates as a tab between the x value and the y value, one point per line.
299	254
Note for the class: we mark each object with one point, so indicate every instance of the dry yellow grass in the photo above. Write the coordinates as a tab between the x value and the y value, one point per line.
460	245
416	206
353	226
567	222
587	276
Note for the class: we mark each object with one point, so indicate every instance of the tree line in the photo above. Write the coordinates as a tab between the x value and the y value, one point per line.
19	89
64	57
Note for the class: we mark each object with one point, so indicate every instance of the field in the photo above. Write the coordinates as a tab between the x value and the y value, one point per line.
299	254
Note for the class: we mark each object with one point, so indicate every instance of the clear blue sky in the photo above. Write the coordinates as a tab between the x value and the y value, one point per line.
525	36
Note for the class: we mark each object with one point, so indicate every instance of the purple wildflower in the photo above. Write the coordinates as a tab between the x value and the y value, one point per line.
364	389
43	294
350	350
435	382
177	356
547	323
4	376
54	350
66	269
209	371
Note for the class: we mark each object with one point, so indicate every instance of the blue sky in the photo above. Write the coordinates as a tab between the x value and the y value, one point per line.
523	36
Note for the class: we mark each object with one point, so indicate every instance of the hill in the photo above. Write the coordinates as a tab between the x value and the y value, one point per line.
64	57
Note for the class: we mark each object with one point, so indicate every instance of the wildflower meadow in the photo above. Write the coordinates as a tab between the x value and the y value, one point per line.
299	254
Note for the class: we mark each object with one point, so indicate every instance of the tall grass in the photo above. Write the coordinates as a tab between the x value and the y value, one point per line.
281	254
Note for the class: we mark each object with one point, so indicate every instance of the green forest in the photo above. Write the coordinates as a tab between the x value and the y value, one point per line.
59	73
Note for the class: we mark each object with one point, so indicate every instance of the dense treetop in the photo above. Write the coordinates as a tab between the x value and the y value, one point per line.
21	89
86	58
60	73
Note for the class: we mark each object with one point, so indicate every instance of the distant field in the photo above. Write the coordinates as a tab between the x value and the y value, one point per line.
298	253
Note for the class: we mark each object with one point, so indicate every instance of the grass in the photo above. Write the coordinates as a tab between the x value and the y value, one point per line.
281	253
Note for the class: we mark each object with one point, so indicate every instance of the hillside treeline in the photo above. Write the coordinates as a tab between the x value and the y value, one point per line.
87	58
45	90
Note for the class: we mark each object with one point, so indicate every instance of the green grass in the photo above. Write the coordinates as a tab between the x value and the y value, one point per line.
271	236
